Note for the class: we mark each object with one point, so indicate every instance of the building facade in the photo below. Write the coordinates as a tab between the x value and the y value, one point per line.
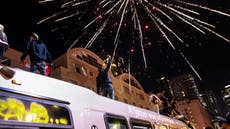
209	101
188	102
80	66
226	98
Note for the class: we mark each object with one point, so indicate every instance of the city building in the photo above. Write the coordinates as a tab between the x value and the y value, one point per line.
226	98
210	102
188	103
183	87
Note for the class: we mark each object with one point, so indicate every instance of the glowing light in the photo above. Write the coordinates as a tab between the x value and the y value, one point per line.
132	50
56	107
100	17
63	121
154	8
51	120
146	26
30	117
57	121
41	111
15	109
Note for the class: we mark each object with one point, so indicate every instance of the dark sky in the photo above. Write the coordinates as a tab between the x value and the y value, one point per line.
207	53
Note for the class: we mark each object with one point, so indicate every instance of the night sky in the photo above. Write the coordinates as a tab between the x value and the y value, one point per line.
208	54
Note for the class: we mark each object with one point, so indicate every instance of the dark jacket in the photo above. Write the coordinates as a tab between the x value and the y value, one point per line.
37	51
103	76
3	38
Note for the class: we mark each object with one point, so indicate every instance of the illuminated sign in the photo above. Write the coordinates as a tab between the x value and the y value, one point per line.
14	109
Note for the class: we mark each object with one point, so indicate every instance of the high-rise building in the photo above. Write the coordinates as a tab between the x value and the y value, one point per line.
188	102
184	87
209	101
226	98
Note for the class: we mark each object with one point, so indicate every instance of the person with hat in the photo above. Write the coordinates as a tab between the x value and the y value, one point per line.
3	42
104	82
224	122
38	53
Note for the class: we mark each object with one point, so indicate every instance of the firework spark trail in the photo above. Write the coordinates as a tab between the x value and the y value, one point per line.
185	15
83	2
106	4
190	65
215	33
97	34
185	9
206	28
129	70
112	8
189	23
103	1
44	1
89	24
136	17
203	7
162	12
99	30
73	44
47	18
162	23
74	3
166	27
158	26
118	30
121	7
165	36
64	18
67	4
107	12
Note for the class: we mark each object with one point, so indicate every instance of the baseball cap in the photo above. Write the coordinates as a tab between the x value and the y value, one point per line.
35	35
1	27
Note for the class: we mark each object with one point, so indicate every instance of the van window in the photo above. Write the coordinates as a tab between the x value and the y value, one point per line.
140	124
22	111
163	127
115	122
15	127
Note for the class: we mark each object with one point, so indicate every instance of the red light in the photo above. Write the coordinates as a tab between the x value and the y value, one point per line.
146	26
132	50
154	8
100	17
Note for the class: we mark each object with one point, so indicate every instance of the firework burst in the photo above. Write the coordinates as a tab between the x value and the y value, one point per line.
93	21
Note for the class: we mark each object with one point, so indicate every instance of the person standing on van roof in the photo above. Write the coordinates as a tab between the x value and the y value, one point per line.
39	54
3	42
104	83
154	102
